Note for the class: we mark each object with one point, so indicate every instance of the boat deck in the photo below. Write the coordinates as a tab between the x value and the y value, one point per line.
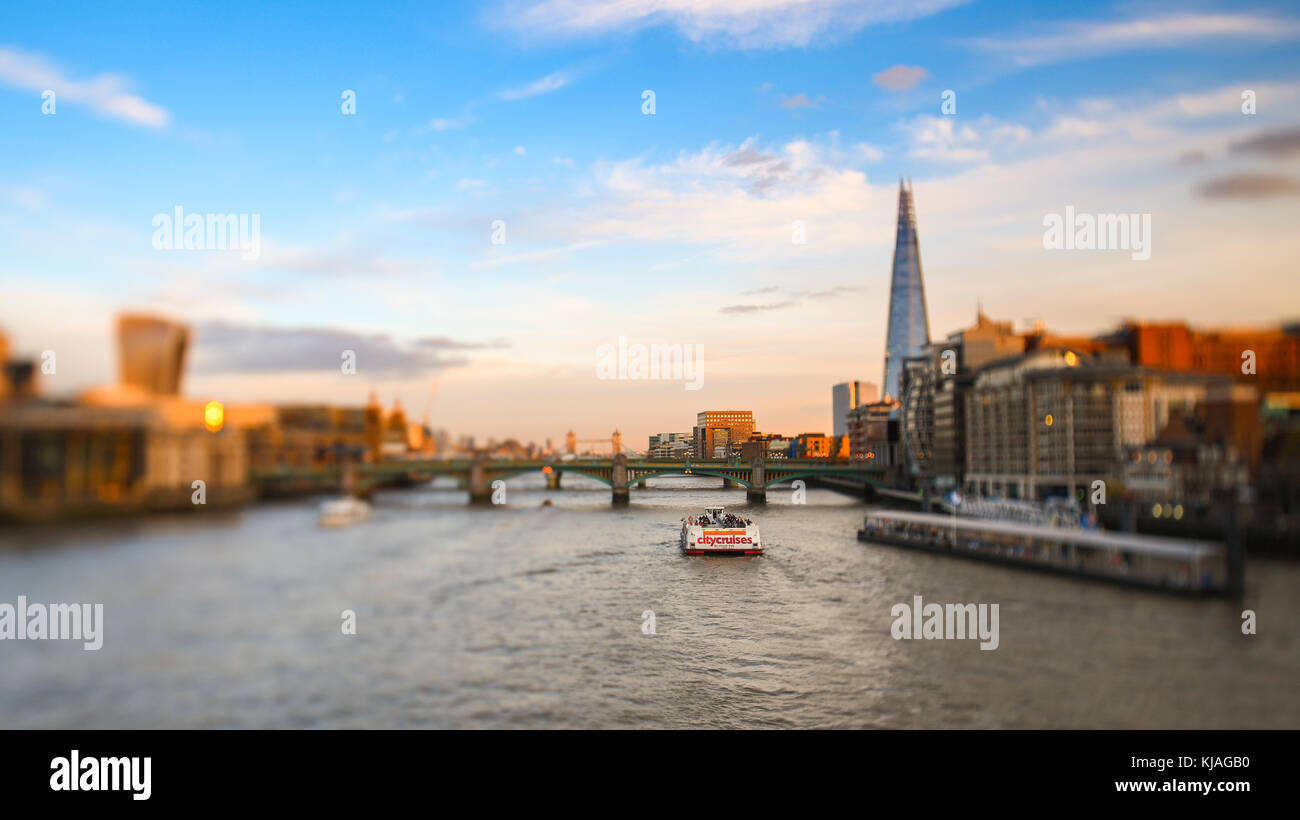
1166	564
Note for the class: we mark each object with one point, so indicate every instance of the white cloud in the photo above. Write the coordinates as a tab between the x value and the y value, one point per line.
543	255
106	93
741	23
1074	40
24	196
450	123
942	139
551	82
742	198
1157	122
863	152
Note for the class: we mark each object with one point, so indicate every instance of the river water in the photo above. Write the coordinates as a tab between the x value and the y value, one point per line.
531	616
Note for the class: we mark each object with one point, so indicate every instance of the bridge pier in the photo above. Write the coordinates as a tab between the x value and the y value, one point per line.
480	491
553	480
618	476
757	492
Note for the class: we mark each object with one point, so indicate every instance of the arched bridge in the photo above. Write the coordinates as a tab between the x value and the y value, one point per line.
619	473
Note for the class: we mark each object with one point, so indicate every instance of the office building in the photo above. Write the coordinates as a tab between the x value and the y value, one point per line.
909	325
845	397
738	425
152	353
1053	421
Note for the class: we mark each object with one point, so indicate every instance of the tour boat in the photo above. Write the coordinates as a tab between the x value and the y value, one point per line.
717	533
340	512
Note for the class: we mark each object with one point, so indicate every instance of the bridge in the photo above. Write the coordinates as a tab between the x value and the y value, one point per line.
619	473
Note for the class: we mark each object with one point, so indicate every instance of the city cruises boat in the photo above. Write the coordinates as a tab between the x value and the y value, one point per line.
718	532
340	512
1169	564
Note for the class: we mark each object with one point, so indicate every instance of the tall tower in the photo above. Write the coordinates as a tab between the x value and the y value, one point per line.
152	352
909	324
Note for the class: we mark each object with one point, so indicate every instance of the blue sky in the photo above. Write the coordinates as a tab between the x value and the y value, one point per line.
666	228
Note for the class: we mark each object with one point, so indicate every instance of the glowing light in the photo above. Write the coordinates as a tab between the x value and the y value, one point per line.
1071	359
1049	420
214	416
1157	510
548	469
1178	512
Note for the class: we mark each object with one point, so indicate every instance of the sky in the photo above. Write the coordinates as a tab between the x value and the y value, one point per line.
528	122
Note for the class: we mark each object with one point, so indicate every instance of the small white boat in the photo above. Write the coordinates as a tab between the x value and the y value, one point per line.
340	512
716	533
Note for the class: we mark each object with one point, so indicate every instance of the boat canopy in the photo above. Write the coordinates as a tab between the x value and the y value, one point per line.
1131	542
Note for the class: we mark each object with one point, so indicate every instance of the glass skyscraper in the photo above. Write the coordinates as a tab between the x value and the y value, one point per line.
909	325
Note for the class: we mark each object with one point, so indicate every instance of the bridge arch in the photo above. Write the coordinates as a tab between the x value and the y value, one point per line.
693	472
772	482
508	473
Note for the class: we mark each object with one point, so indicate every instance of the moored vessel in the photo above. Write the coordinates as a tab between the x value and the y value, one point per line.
1154	562
340	512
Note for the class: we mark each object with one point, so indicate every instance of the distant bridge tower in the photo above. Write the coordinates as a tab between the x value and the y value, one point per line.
572	442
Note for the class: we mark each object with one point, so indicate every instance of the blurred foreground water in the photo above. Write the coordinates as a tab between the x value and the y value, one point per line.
531	616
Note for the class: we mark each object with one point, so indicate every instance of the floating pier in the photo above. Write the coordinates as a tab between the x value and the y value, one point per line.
1165	564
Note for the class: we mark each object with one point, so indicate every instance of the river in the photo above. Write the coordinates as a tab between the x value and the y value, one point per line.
530	616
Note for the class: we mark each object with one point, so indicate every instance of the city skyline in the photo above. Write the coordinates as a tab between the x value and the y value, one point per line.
672	227
525	365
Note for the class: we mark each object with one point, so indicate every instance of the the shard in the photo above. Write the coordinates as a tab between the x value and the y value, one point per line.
909	325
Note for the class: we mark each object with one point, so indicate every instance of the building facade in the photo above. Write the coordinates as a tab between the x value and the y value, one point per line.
812	445
1266	357
670	445
873	432
1052	422
846	396
60	460
736	426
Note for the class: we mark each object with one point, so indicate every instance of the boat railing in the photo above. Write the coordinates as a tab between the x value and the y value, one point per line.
1188	562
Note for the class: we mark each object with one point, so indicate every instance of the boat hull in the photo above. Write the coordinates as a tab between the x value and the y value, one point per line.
722	552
